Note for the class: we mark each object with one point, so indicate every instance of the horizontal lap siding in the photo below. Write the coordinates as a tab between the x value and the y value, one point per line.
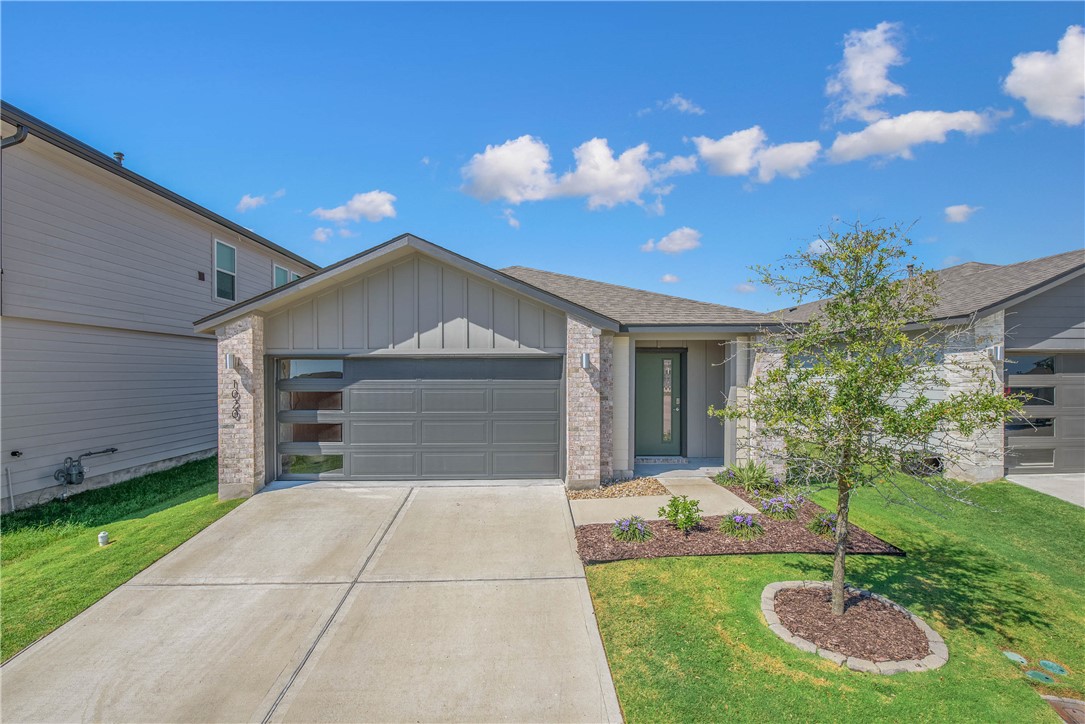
415	306
1054	320
66	389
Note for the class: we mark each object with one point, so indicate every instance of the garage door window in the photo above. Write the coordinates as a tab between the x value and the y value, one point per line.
306	400
1030	364
311	369
1031	427
311	432
1033	457
312	464
1038	396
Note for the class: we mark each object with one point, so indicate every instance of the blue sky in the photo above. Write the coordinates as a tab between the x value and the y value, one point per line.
567	136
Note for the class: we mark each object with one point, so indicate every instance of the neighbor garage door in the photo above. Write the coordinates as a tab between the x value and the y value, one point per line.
1050	437
392	419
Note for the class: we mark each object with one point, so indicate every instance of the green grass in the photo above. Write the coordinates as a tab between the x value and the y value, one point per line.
686	641
51	567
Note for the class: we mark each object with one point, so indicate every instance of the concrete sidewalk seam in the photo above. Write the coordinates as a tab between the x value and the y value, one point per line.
335	612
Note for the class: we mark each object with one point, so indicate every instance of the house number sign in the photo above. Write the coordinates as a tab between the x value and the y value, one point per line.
236	394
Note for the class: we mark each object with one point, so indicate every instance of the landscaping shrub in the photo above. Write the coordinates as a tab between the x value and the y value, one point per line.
631	530
782	507
752	476
683	513
741	525
824	524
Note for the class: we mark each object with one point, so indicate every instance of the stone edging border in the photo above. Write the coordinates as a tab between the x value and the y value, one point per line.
938	656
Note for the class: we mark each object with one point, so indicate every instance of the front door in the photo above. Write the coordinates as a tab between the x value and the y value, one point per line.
659	403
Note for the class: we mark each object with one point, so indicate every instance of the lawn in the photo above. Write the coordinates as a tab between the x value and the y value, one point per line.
686	641
51	566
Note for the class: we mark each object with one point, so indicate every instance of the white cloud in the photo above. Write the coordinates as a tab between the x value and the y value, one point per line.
895	137
732	155
863	78
248	203
346	233
425	161
669	279
510	216
322	234
787	159
742	152
516	171
817	246
372	206
951	261
745	288
279	194
681	104
1052	85
520	170
960	213
680	240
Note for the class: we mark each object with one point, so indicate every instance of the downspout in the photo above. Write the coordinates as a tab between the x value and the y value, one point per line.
16	139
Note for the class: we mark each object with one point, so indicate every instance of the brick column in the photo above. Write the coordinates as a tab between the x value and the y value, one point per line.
241	408
589	405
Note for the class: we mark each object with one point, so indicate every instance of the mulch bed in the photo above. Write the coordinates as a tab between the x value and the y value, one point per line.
869	629
621	489
595	544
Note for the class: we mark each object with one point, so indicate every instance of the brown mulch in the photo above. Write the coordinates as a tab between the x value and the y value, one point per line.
869	629
621	489
595	544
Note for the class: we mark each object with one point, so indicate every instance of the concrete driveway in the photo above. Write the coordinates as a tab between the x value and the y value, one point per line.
340	603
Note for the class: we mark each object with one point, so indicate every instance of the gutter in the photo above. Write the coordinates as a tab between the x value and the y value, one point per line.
14	140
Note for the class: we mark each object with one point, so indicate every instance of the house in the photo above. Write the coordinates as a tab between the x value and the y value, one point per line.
1029	319
408	361
103	272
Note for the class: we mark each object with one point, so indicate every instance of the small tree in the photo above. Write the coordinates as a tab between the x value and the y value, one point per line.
843	398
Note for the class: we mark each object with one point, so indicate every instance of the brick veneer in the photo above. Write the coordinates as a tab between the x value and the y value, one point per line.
241	408
589	405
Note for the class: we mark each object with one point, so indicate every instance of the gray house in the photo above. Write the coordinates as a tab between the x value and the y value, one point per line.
103	272
1030	320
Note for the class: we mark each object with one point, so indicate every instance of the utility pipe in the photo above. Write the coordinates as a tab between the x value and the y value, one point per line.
17	138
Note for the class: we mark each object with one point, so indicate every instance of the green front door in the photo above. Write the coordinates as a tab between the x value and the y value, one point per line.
659	403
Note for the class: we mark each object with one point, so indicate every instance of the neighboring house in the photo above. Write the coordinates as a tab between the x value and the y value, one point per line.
409	362
103	272
1027	323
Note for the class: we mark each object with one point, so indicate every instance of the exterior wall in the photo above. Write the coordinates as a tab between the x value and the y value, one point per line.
100	289
622	456
241	398
1052	321
589	407
66	389
705	385
414	306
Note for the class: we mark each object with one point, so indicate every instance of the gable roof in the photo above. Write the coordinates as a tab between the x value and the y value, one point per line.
23	120
972	288
391	250
636	307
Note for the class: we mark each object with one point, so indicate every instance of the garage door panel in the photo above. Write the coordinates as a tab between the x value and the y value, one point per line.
378	400
1057	445
526	432
455	432
513	464
384	433
383	464
455	400
526	400
458	464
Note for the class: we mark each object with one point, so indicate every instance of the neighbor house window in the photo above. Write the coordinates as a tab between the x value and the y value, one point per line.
284	276
225	271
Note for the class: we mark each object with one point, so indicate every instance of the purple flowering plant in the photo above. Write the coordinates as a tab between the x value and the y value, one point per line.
824	525
782	507
741	525
633	529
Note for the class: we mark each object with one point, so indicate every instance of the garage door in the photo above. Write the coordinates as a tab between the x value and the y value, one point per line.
1050	436
392	419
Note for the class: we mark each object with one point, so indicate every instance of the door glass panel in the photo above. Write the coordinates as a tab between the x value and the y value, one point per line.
668	376
1034	395
1031	427
311	464
1030	364
311	432
312	401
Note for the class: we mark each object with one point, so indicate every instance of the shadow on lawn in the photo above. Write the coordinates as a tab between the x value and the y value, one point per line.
959	586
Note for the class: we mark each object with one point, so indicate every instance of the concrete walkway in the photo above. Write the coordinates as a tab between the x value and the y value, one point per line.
714	501
1067	486
340	604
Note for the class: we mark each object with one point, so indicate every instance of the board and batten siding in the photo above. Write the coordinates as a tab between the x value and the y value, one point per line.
68	389
415	306
82	245
1051	321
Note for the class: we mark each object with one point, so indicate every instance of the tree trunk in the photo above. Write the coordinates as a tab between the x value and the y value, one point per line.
843	489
